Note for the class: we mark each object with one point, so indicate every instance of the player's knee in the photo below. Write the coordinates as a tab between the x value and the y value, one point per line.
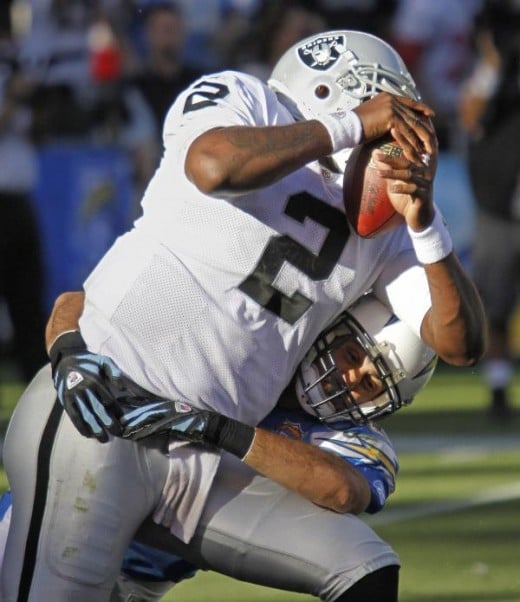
381	585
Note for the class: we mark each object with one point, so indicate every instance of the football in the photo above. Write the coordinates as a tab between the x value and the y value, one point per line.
367	206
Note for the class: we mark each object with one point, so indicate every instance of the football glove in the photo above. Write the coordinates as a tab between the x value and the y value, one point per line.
88	386
181	421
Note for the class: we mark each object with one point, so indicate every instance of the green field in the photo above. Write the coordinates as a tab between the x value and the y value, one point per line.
454	518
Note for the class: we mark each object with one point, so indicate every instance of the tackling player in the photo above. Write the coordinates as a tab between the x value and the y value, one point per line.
349	467
241	258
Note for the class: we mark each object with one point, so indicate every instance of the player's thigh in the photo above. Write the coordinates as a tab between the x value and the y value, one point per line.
76	502
257	531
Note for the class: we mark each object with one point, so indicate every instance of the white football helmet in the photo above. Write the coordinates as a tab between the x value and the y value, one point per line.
337	71
403	361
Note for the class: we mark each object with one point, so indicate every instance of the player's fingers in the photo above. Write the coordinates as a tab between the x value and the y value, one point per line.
417	106
90	420
423	190
148	418
405	177
385	111
400	187
391	165
72	411
406	174
414	139
416	190
423	129
414	132
105	414
400	168
135	428
408	141
112	372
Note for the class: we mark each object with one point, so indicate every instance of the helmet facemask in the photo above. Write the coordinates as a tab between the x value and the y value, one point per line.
402	362
320	381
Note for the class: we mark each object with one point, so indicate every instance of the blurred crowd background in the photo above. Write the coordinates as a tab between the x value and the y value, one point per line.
85	86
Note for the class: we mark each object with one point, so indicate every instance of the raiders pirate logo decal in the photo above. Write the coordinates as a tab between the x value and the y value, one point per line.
321	53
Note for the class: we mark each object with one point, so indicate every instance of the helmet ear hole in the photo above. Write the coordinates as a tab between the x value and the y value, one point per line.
322	91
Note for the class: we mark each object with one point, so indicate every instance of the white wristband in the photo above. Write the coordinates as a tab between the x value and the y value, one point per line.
434	243
344	128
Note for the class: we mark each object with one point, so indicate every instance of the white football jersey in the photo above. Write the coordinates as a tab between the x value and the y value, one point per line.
216	300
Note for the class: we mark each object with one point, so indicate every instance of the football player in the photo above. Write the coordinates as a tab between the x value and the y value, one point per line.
241	258
335	414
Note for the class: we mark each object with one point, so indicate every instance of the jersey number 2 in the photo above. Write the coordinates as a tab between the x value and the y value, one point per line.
259	284
205	95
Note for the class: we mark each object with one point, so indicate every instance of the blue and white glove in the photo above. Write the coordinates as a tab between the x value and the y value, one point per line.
164	416
181	421
88	386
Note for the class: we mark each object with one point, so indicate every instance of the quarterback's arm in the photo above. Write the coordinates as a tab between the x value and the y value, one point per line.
455	324
241	158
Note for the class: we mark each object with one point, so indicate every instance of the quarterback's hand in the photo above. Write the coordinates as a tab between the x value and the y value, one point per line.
87	386
406	120
181	421
410	186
